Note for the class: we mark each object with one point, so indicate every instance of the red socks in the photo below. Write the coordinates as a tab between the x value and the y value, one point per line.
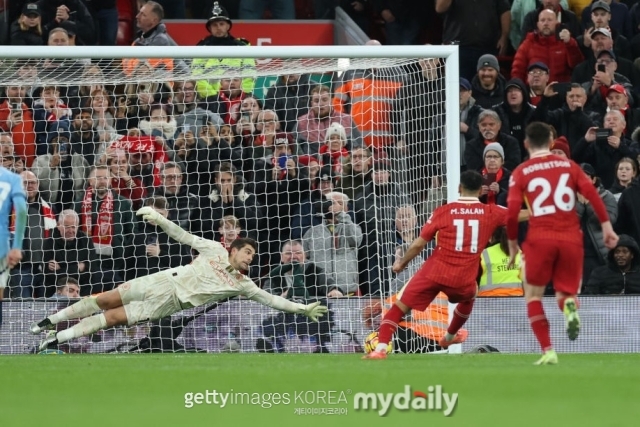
389	324
460	316
539	324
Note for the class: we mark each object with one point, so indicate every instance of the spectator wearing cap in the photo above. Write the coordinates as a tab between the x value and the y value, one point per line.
515	111
600	16
595	252
478	27
626	172
560	147
219	26
61	172
618	99
305	215
469	112
621	274
537	80
604	152
27	29
488	83
334	151
490	127
605	77
72	12
495	178
559	51
565	17
519	11
620	18
601	40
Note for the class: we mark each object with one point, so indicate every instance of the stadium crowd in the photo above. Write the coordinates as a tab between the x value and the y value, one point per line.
331	196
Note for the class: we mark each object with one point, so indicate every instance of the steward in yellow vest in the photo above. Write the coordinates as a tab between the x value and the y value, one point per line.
497	279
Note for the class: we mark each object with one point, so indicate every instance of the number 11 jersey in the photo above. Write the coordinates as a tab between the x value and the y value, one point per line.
549	185
462	230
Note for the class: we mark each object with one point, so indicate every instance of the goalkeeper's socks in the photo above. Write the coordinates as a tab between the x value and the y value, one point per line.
85	327
562	300
83	308
460	317
539	324
388	326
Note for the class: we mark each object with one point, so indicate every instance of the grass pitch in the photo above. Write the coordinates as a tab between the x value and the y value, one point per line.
149	390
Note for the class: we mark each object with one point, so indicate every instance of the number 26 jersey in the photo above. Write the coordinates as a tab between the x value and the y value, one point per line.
462	230
549	186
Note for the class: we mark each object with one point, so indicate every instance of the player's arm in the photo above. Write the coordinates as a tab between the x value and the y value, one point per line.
312	311
176	232
590	192
414	250
19	202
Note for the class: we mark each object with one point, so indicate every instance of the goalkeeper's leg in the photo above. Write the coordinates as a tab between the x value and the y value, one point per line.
124	294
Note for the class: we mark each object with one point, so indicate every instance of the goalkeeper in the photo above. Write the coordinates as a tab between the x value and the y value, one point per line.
214	275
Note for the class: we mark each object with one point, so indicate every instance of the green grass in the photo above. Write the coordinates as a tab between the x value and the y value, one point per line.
148	390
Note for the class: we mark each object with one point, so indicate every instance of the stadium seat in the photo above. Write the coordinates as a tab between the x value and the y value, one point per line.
126	21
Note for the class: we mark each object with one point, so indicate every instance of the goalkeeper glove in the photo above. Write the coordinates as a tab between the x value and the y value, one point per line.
314	311
150	215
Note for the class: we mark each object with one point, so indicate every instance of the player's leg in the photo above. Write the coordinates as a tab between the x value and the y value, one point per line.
567	280
81	309
4	281
538	260
465	299
87	326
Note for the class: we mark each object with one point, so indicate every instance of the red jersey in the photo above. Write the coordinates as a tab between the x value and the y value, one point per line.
462	230
548	184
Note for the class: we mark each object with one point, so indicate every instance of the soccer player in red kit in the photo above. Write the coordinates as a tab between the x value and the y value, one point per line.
463	230
553	249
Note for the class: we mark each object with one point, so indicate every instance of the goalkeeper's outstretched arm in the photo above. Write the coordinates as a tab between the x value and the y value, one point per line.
312	311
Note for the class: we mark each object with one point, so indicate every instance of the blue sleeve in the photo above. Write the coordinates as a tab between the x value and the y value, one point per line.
19	201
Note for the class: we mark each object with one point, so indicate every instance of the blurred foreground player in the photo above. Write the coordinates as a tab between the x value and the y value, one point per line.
12	202
214	275
553	249
463	230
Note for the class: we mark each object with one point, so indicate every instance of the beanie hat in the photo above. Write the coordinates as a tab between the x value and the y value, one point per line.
561	143
494	146
336	129
488	61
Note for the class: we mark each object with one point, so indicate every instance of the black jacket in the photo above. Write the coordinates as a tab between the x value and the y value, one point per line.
24	38
68	254
474	149
573	125
603	157
515	123
488	98
629	211
289	102
80	20
608	279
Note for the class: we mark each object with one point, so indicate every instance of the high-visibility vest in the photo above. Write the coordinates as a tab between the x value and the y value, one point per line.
371	101
497	279
431	323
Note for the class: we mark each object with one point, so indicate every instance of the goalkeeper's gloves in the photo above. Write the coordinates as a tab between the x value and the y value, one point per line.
315	311
150	215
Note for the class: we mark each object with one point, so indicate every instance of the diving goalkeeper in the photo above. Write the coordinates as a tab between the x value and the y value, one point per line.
214	275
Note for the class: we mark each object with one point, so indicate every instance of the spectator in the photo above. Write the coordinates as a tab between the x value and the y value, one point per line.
106	218
488	84
85	139
289	98
27	30
121	180
537	79
161	123
605	77
559	51
600	16
306	216
154	250
191	154
595	253
479	28
333	245
469	112
191	113
254	9
490	127
68	252
357	173
520	10
105	18
618	98
17	118
333	152
219	27
182	206
620	17
27	277
626	172
70	12
227	102
50	114
61	172
495	185
312	127
621	275
560	147
401	20
566	19
66	288
515	112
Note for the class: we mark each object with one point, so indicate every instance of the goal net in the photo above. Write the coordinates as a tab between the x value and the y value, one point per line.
331	158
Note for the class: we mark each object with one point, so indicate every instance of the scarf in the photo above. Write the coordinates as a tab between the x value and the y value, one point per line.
232	107
491	196
48	217
101	232
334	158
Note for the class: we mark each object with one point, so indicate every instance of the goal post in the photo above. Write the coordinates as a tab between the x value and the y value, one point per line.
404	115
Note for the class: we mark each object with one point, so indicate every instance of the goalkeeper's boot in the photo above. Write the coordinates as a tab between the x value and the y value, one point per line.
571	317
51	340
43	325
375	355
550	357
459	338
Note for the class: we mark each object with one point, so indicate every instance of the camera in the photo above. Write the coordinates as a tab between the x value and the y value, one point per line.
603	134
602	68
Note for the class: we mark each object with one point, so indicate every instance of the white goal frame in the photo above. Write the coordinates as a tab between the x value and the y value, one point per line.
451	66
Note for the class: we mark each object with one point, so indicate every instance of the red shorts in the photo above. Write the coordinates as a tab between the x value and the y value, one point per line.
421	291
545	261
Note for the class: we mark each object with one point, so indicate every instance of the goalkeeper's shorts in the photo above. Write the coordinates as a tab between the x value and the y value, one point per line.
149	298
